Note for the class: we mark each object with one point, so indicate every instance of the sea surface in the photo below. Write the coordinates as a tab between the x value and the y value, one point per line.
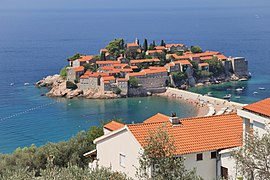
35	43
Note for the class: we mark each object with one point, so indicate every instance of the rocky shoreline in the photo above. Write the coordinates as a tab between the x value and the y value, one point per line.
57	86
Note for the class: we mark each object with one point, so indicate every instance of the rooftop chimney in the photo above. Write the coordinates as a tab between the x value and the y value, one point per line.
174	120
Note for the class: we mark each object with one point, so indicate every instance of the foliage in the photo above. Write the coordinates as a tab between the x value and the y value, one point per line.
145	45
151	46
90	67
102	56
63	72
97	57
162	43
253	158
116	47
159	155
179	53
178	76
74	57
70	172
196	49
204	74
133	81
71	85
215	66
117	90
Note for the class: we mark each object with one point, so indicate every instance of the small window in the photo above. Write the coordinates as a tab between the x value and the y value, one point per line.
122	160
199	157
213	155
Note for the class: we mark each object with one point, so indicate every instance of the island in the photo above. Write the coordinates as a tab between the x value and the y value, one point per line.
133	69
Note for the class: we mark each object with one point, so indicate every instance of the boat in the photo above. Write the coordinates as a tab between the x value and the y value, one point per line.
209	94
239	89
237	97
243	79
261	88
255	92
227	96
11	84
26	84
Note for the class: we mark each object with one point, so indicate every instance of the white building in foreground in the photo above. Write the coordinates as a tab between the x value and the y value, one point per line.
206	143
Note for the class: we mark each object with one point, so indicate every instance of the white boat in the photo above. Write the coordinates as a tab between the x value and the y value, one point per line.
209	94
227	96
261	88
11	84
255	92
26	84
239	89
243	79
237	97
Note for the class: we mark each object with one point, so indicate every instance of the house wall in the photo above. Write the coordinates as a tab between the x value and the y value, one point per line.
71	75
84	84
240	66
153	82
109	152
228	162
205	168
123	86
76	63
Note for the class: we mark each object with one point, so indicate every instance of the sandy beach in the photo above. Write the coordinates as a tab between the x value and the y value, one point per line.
206	105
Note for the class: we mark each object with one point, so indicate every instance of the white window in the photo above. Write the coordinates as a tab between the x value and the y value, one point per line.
122	160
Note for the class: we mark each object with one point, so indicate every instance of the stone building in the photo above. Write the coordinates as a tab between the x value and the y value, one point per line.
74	73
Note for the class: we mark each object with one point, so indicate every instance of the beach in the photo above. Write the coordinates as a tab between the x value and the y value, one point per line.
207	106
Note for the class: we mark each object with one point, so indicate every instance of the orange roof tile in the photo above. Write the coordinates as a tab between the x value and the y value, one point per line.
206	58
84	77
85	58
108	62
103	50
113	71
170	64
113	125
95	74
153	71
137	74
182	62
134	61
156	67
197	134
106	82
203	64
260	107
78	69
222	57
106	68
126	70
108	78
134	67
154	51
175	45
132	44
157	118
122	79
159	47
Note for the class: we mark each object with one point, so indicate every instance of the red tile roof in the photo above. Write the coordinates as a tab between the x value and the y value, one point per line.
108	62
175	45
108	78
182	62
203	64
78	69
113	125
157	118
137	74
134	61
84	77
261	107
153	71
85	58
160	47
95	74
132	44
122	79
154	51
222	57
106	68
206	58
197	134
103	50
134	67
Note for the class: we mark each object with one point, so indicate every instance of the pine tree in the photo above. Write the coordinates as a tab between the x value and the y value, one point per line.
162	43
145	45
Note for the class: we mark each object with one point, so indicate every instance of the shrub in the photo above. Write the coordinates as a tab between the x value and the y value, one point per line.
71	85
63	72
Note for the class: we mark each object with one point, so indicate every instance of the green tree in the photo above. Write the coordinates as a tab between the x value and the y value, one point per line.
215	66
74	57
253	158
145	45
178	77
196	49
204	74
133	81
162	43
159	155
63	72
90	67
102	56
116	47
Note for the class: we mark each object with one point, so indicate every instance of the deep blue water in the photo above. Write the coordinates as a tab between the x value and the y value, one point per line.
35	43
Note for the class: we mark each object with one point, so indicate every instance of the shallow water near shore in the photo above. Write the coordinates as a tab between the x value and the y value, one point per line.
39	119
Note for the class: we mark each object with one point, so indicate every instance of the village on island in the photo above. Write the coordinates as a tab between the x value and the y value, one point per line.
134	69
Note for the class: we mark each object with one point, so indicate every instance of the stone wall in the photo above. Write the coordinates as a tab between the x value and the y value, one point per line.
240	66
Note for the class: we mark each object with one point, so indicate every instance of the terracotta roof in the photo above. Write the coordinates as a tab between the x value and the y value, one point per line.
106	82
132	44
120	65
84	77
134	61
261	107
197	134
137	74
170	64
206	58
154	51
160	47
157	118
156	67
122	79
108	78
126	70
203	64
106	68
222	57
85	58
103	50
113	125
95	74
134	67
78	69
108	62
182	62
113	71
175	45
153	71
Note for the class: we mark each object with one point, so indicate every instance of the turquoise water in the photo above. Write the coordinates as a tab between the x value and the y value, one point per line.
38	119
36	37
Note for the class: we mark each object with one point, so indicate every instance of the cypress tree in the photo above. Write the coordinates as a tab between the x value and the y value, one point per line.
162	43
145	45
154	43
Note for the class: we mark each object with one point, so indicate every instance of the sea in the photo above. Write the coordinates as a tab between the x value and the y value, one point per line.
35	43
